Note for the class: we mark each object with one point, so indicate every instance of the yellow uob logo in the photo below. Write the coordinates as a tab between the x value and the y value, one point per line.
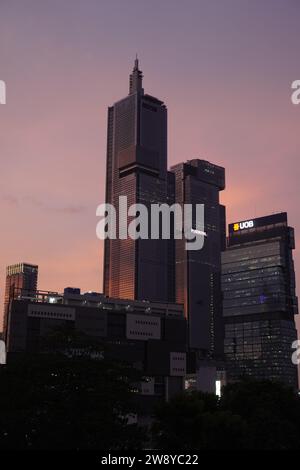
236	227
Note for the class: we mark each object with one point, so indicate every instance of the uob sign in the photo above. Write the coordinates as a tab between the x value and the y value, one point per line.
243	225
248	224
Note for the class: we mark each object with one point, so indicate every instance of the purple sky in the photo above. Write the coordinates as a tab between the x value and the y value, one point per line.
224	69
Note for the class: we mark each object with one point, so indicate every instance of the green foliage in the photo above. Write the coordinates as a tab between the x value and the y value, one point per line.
51	401
250	415
69	397
195	422
271	410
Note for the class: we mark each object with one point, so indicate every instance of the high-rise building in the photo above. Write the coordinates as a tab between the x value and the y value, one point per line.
18	276
136	167
198	272
258	282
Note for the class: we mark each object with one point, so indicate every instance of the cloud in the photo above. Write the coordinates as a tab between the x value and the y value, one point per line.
44	206
68	209
9	199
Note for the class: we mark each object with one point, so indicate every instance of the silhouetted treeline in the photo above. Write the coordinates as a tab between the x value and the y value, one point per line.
250	415
59	401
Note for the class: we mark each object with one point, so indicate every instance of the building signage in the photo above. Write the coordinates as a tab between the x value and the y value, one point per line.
243	225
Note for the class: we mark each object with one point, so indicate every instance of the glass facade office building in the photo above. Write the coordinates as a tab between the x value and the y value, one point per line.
259	300
136	167
198	272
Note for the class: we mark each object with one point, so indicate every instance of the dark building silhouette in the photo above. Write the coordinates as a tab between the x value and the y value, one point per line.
18	276
258	282
151	337
136	167
198	272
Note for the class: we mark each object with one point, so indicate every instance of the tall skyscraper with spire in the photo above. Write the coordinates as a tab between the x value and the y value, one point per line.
136	167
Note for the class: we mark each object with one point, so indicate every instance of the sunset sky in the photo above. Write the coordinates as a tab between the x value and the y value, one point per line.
224	69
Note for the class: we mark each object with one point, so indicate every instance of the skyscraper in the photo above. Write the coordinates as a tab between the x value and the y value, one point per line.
198	273
258	282
136	167
18	276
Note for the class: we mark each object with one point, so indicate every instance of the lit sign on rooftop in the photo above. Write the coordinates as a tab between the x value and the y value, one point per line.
243	225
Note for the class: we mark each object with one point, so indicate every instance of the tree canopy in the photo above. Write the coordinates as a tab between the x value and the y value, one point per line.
250	415
52	401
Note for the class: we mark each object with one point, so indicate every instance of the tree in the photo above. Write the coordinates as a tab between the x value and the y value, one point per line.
250	415
271	410
51	401
195	422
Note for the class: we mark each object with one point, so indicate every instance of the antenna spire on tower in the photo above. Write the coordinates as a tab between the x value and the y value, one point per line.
136	78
